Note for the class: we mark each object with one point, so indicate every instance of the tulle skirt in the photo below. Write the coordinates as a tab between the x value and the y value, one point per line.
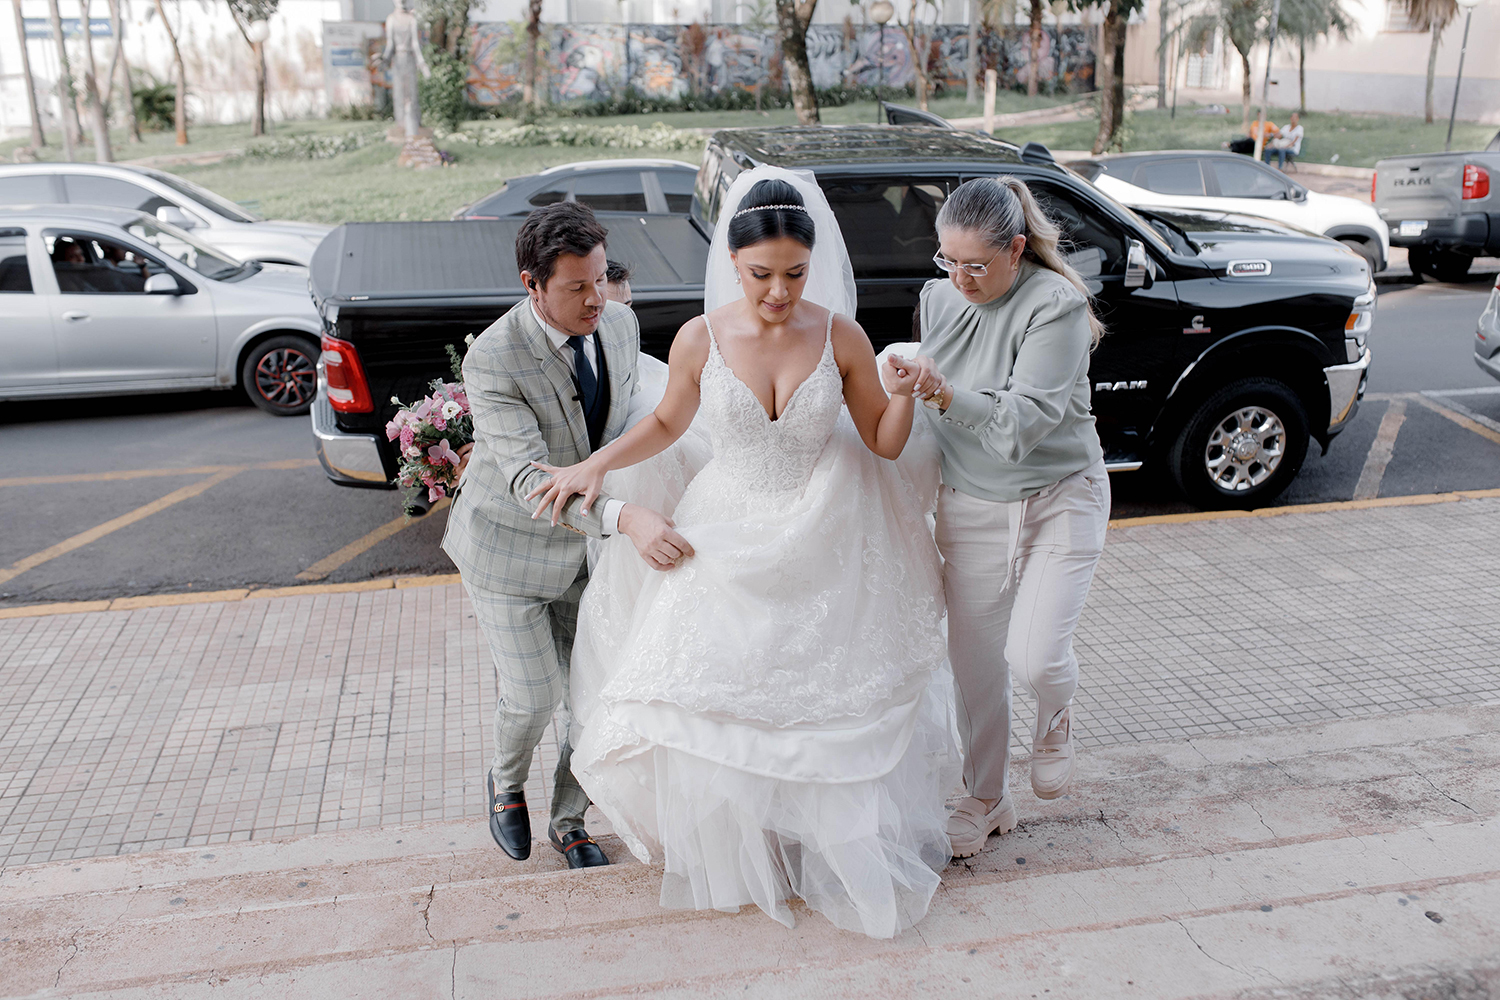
765	741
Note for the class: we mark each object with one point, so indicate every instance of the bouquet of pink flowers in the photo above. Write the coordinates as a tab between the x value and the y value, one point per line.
429	433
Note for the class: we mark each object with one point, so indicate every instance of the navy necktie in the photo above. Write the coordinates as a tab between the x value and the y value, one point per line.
588	382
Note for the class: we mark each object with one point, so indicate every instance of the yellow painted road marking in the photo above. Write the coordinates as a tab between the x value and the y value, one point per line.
83	538
320	569
1466	423
197	470
1381	450
447	579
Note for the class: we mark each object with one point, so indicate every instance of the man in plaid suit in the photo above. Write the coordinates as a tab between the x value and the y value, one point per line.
549	382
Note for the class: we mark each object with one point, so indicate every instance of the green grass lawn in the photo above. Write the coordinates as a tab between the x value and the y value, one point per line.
366	185
1357	139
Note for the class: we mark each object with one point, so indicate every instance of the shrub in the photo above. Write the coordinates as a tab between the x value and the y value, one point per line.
444	94
155	102
312	147
657	136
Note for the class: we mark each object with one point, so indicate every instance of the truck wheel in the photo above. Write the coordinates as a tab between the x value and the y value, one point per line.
280	375
1443	265
1242	446
1370	253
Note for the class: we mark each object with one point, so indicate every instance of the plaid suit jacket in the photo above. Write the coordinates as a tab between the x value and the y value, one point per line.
525	404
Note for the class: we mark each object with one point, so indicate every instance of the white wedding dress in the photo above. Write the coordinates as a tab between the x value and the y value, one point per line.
773	718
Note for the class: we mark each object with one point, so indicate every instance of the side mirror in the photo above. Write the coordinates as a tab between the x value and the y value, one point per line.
162	284
1137	266
174	216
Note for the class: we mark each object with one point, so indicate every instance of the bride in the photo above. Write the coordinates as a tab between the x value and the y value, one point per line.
770	718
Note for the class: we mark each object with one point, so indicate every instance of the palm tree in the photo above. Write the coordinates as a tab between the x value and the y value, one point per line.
179	78
1243	22
1308	21
246	13
1433	16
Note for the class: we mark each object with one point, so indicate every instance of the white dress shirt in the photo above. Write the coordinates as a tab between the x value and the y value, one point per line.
559	341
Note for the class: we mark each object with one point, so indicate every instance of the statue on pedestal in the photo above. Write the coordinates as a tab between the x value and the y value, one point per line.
403	58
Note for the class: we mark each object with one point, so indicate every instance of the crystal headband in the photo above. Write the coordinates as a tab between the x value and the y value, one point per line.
769	208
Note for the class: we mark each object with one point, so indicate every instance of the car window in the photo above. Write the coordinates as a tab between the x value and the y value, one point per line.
181	247
1091	241
614	191
202	195
891	227
1178	176
83	189
1243	179
86	264
26	189
15	274
549	196
677	187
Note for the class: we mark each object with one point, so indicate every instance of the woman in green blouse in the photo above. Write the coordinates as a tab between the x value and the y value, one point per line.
1025	498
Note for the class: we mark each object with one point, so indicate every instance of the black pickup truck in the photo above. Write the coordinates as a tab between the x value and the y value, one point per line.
1232	341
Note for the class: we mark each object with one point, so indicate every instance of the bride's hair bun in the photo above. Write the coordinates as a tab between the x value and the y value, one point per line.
772	209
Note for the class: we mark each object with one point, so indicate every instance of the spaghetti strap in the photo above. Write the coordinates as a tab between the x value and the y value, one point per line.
713	345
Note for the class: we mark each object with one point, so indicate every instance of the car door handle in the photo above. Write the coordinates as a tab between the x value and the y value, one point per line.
74	314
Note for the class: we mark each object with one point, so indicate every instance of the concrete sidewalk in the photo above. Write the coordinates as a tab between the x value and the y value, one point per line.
1280	748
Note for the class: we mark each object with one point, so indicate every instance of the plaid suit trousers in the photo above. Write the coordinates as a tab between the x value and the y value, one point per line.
531	640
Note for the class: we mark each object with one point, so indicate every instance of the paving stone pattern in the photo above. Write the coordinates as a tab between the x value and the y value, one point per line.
167	727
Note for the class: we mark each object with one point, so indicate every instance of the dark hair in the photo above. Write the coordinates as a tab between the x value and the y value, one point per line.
548	232
761	223
615	272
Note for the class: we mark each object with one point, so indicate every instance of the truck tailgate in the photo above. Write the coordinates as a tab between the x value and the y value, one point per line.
1416	189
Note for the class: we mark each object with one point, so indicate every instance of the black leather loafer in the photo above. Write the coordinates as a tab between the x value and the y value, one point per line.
578	847
510	823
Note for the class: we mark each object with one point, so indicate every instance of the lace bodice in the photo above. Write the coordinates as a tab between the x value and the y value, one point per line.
770	457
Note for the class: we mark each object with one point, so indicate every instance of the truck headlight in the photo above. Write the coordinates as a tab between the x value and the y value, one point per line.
1357	326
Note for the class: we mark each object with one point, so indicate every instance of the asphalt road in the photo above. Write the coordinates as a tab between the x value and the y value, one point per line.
144	495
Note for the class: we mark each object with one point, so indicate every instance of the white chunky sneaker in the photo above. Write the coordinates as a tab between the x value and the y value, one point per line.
971	824
1052	760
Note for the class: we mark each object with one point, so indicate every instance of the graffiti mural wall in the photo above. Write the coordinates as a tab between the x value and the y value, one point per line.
586	62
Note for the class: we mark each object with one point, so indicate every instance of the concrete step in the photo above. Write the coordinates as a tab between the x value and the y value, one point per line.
1328	860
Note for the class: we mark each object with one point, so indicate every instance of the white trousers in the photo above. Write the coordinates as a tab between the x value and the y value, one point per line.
1016	577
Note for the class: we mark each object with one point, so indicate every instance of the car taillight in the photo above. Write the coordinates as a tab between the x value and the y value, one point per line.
1476	182
1372	186
348	392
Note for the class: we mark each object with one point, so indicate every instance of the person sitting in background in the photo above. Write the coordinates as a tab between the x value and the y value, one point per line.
1286	144
617	282
1245	145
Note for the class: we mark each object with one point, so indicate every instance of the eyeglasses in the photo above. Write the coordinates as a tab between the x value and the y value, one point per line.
972	270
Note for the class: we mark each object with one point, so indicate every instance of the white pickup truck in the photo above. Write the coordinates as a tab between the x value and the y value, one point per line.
1443	207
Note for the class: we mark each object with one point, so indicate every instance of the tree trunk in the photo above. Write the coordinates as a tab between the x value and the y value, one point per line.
1036	48
1104	77
1161	57
98	123
179	78
259	50
793	17
1432	54
1117	80
1302	75
122	64
65	84
1245	92
529	93
971	72
38	137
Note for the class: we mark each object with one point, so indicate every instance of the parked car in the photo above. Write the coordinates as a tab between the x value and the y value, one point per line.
233	229
105	301
1443	207
1487	336
1227	352
654	187
1214	181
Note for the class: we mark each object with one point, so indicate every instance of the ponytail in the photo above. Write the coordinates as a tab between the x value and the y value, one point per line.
998	209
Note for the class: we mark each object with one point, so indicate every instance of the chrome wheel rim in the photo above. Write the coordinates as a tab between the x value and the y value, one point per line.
286	377
1244	449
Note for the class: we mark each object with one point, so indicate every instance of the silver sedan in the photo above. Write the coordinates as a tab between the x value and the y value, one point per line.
110	301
